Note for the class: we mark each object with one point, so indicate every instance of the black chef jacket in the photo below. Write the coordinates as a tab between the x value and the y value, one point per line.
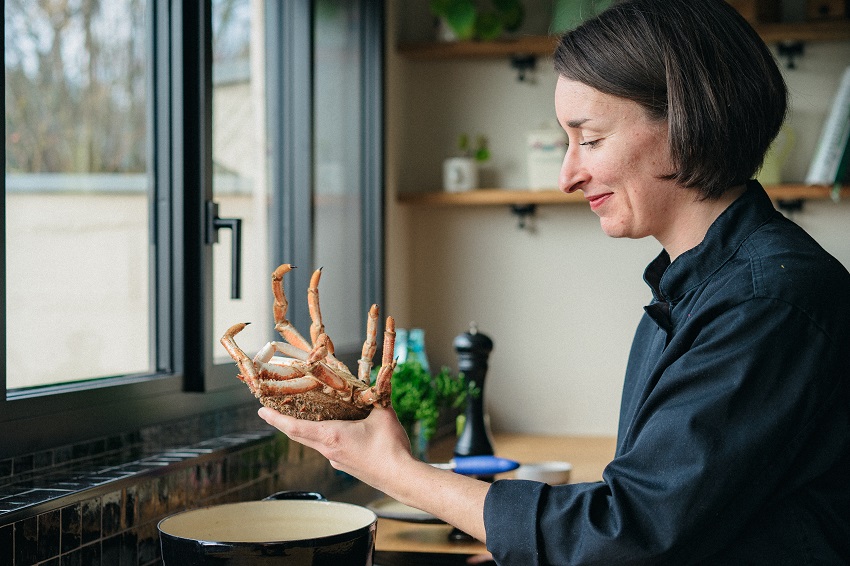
734	437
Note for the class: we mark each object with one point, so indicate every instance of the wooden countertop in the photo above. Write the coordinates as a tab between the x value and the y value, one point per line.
588	454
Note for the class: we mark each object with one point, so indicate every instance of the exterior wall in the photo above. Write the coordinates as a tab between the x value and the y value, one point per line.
84	268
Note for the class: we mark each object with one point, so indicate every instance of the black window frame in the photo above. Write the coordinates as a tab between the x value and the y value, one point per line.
187	381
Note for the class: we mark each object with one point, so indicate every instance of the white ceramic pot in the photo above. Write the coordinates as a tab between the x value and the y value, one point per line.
460	174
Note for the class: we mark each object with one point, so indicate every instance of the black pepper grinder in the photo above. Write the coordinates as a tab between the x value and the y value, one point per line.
473	349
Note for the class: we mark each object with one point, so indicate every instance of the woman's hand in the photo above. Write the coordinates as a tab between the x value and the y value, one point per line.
376	451
369	449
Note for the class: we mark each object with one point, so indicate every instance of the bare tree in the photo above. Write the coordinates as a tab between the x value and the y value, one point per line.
75	86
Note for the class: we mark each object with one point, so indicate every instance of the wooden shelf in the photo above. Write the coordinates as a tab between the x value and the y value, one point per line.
489	197
484	197
544	45
829	30
541	45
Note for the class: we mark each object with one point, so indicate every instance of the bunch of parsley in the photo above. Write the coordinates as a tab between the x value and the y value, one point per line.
418	396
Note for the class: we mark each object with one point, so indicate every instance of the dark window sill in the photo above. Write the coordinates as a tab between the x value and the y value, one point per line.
56	489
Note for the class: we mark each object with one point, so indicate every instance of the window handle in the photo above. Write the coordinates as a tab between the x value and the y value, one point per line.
214	224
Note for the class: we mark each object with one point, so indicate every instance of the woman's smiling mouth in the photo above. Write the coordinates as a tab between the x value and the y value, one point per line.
597	200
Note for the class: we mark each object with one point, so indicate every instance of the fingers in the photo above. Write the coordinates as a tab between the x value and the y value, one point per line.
323	436
290	426
370	449
277	420
486	558
306	432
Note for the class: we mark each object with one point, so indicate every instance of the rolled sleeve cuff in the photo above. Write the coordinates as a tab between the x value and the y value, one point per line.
511	511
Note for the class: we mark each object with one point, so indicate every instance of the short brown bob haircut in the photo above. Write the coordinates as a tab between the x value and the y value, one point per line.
695	63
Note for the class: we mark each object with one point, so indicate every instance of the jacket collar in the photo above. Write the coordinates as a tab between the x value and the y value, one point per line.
670	281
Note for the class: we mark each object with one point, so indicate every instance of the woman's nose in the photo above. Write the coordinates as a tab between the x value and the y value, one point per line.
572	173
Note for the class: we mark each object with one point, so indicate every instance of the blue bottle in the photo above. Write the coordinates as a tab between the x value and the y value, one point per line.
416	348
400	352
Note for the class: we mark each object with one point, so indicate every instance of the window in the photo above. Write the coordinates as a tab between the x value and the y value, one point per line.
78	188
132	128
346	220
240	170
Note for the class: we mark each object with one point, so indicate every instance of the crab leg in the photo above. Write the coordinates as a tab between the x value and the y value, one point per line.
282	325
247	371
320	350
329	377
332	361
381	392
288	350
319	370
278	372
364	365
317	327
389	341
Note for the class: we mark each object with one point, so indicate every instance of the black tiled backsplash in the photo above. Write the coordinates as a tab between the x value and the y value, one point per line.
98	503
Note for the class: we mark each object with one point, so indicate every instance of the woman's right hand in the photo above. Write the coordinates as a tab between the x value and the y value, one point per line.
369	449
376	450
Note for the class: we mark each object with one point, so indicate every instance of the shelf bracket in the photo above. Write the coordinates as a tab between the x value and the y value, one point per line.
524	65
790	206
790	50
523	212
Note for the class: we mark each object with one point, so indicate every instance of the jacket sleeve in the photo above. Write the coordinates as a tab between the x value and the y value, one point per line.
713	431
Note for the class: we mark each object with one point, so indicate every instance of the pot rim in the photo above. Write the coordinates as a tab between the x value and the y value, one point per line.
300	542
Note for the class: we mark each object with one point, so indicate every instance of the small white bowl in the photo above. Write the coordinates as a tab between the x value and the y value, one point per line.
553	472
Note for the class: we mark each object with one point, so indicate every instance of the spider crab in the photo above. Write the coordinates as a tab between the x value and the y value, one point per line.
306	381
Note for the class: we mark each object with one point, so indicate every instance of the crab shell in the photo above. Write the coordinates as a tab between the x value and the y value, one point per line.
315	405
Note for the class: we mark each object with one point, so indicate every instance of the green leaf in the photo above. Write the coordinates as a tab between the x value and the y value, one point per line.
439	7
482	153
468	21
463	143
511	13
488	26
459	14
418	396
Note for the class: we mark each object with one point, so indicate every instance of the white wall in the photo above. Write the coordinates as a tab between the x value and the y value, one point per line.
561	302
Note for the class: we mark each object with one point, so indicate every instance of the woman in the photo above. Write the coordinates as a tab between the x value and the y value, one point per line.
734	436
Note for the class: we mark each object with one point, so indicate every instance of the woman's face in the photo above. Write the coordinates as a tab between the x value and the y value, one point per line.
616	155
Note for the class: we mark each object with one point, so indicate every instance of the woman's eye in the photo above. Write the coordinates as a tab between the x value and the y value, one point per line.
591	143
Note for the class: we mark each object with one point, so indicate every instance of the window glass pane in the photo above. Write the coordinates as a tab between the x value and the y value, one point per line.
78	296
337	192
240	172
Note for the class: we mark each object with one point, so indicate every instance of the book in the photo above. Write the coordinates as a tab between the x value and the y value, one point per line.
829	163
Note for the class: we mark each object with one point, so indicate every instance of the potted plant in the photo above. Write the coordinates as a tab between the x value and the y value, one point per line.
467	19
419	397
460	173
